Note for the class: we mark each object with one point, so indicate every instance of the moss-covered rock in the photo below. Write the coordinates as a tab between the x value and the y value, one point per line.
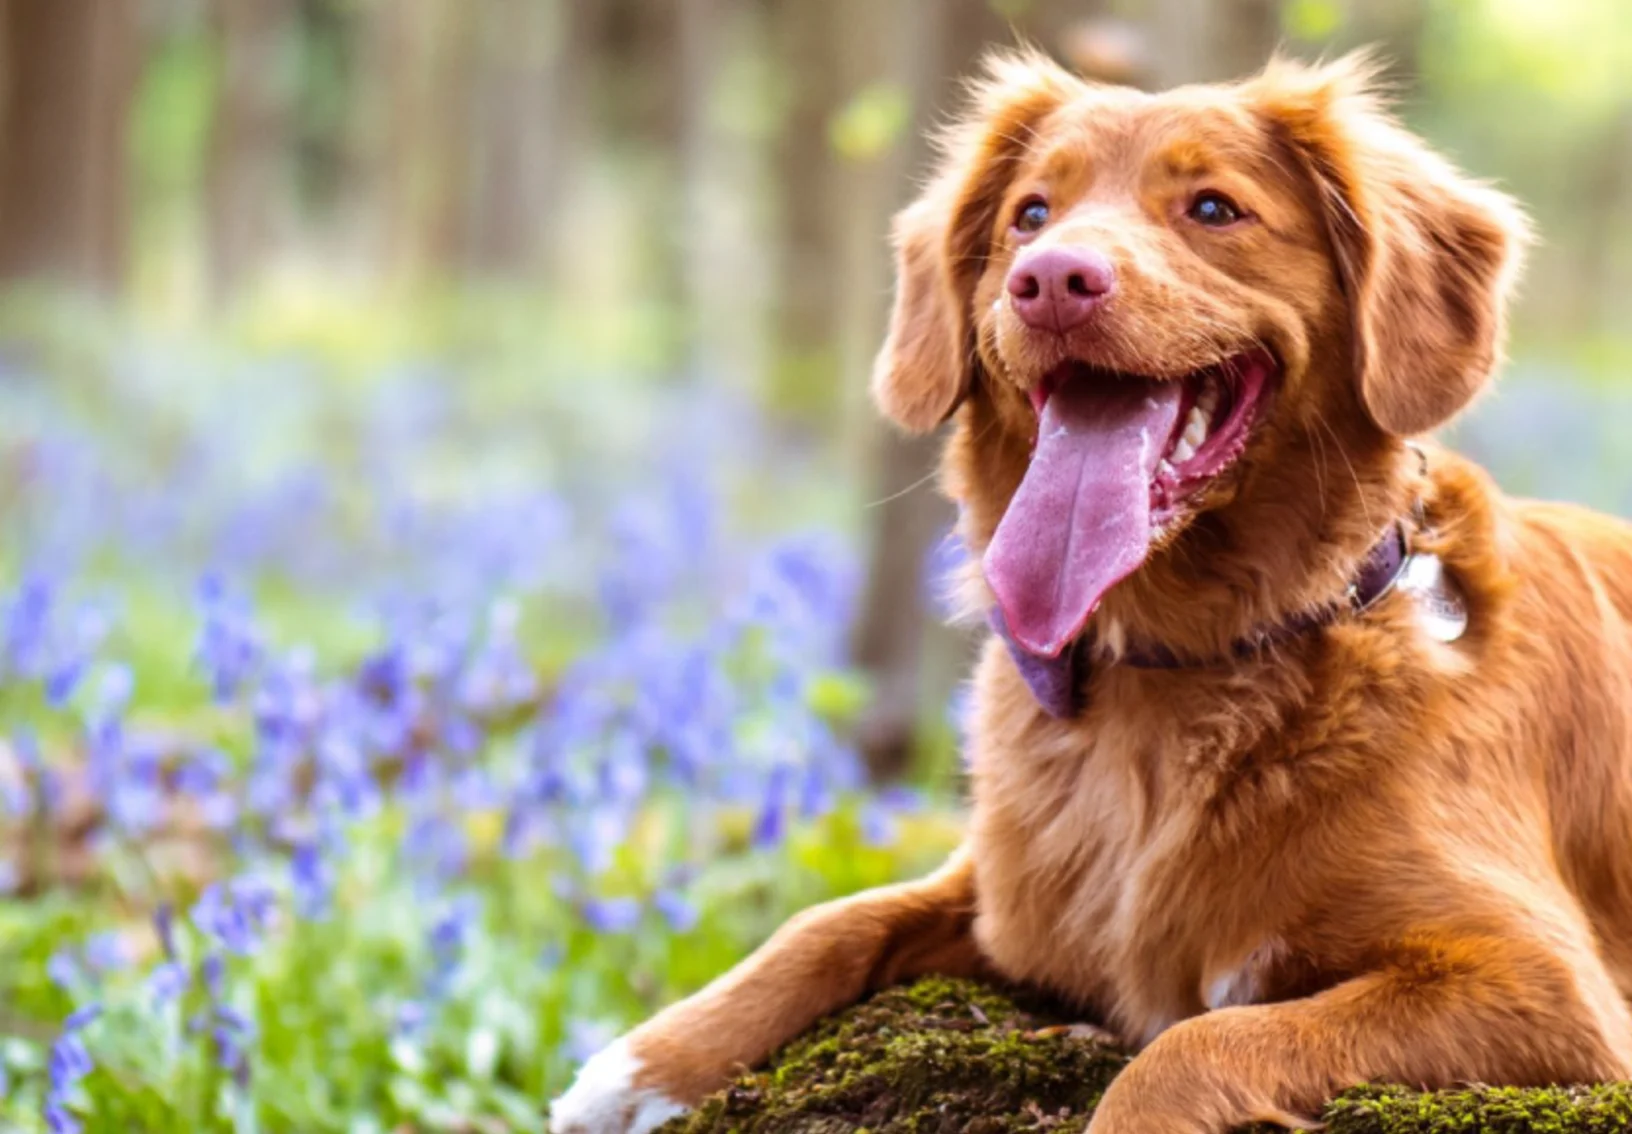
948	1057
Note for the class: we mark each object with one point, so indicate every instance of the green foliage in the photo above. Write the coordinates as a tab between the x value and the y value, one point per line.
330	996
871	123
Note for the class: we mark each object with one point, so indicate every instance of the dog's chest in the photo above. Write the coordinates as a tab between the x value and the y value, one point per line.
1106	873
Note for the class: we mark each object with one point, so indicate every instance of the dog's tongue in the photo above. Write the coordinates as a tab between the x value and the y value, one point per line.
1080	522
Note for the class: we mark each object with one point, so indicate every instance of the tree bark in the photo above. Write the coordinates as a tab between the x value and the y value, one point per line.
247	181
912	660
521	134
67	73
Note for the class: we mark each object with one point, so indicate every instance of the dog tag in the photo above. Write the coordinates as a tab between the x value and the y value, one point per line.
1440	606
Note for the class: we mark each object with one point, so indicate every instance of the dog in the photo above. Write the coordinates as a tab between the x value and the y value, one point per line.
1301	756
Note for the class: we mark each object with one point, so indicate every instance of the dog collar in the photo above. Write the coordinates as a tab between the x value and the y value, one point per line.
1059	683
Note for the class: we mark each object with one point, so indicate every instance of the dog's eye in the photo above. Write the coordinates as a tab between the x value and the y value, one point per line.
1032	215
1214	210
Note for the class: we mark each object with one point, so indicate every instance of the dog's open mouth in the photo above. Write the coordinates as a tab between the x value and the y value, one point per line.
1116	455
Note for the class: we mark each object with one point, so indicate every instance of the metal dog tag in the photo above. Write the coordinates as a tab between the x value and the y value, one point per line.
1440	606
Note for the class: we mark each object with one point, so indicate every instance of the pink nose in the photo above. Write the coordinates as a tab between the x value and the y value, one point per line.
1057	289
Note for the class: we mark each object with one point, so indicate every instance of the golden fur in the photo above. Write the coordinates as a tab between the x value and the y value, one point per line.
1364	855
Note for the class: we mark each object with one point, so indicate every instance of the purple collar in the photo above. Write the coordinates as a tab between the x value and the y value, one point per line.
1059	683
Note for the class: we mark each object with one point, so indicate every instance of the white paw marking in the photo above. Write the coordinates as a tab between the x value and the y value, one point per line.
603	1099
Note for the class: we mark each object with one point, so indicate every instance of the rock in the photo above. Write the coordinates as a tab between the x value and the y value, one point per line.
954	1057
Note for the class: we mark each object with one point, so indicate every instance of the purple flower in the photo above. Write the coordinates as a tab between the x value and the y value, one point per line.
81	1018
771	826
680	914
64	970
166	982
113	692
312	881
410	1017
63	679
612	915
214	971
164	924
229	649
57	1118
878	827
26	625
106	953
67	1063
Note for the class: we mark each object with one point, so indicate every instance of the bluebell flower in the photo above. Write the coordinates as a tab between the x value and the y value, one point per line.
164	925
878	826
771	826
113	692
680	914
410	1017
64	970
63	679
82	1017
236	914
23	638
67	1063
213	970
595	835
57	1118
612	915
166	983
106	952
312	882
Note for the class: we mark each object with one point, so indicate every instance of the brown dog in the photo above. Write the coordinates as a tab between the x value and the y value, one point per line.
1286	812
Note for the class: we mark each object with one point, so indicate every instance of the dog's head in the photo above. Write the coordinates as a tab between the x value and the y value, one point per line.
1190	332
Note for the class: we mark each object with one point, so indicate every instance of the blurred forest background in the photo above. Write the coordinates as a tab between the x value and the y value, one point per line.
695	192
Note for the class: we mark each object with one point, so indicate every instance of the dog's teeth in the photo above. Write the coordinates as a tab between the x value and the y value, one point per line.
1183	451
1207	400
1165	468
1195	427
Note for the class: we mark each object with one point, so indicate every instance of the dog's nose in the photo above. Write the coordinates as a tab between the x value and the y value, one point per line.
1057	289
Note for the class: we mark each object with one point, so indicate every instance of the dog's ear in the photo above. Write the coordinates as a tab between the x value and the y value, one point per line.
1426	256
942	240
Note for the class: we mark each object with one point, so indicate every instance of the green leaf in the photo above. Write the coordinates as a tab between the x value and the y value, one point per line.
870	124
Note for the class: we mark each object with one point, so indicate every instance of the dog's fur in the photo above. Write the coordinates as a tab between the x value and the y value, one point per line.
1363	855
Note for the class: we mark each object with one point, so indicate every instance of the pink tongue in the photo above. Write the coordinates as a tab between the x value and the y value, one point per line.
1080	522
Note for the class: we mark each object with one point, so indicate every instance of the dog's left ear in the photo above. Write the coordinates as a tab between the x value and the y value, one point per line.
1427	257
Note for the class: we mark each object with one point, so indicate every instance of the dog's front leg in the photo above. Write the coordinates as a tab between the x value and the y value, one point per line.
820	961
1446	1010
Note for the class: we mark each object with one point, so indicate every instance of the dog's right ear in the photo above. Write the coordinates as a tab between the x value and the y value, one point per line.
942	240
922	371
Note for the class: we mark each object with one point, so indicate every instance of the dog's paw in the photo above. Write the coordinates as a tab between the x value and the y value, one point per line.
604	1099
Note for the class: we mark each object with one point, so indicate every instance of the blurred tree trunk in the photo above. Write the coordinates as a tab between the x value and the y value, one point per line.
521	133
911	659
411	132
639	88
721	267
806	318
247	181
67	73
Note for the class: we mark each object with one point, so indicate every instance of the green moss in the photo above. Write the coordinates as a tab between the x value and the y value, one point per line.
947	1057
